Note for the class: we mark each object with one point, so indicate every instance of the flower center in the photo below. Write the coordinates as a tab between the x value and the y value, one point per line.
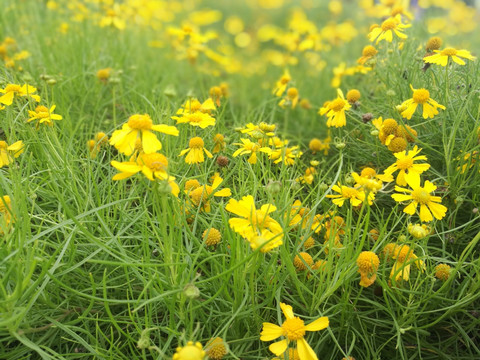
405	163
292	93
196	143
449	52
369	51
349	193
155	161
293	329
337	105
284	80
389	24
421	196
421	96
195	118
140	122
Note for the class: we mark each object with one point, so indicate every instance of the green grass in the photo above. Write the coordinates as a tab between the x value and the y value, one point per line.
91	266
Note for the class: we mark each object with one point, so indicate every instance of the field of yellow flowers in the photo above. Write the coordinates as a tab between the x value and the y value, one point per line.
259	179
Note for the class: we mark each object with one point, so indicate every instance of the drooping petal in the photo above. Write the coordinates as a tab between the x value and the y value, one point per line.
425	214
287	310
305	352
270	332
279	347
150	143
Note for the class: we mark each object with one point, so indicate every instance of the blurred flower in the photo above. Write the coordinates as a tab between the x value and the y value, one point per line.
10	152
386	30
442	57
13	90
420	97
442	271
195	151
367	263
248	147
336	111
191	351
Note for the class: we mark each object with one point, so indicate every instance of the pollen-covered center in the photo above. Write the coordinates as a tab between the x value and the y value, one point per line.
196	117
337	105
42	112
196	143
405	163
368	262
140	122
293	329
421	96
389	24
349	193
155	161
449	52
421	196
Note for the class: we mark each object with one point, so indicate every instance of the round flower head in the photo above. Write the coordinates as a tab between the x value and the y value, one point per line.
212	237
418	195
387	29
442	57
294	330
353	96
367	53
397	144
141	126
302	261
336	111
367	263
420	97
434	43
442	272
216	349
191	351
195	151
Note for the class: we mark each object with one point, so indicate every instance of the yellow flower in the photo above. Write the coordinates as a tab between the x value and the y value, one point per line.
193	105
419	231
355	196
255	225
44	115
153	166
112	18
409	171
12	90
418	195
216	349
336	111
195	151
367	263
200	195
191	351
198	118
281	84
293	329
287	155
9	152
212	237
317	145
420	97
442	272
248	147
140	126
441	57
291	98
367	53
219	141
302	261
259	131
386	30
308	177
104	74
403	256
6	218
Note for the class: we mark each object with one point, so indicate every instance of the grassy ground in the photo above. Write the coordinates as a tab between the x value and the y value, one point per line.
91	267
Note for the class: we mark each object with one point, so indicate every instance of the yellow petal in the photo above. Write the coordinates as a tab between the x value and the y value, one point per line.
270	332
287	310
279	347
305	352
319	324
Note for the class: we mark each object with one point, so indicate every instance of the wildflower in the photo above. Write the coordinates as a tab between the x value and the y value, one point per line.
216	349
195	151
13	90
219	141
374	234
259	131
336	111
420	97
403	256
112	18
291	98
247	147
368	52
222	161
104	74
442	57
10	152
191	185
355	196
386	128
434	43
302	261
255	225
367	263
191	351
5	213
353	96
200	195
281	84
317	145
418	195
198	118
293	329
44	115
287	155
367	183
308	177
409	171
212	237
386	30
419	231
397	144
299	215
442	272
216	94
140	126
469	160
192	106
309	243
94	145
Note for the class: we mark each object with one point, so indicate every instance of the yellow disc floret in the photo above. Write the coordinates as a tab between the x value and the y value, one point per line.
140	122
293	329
